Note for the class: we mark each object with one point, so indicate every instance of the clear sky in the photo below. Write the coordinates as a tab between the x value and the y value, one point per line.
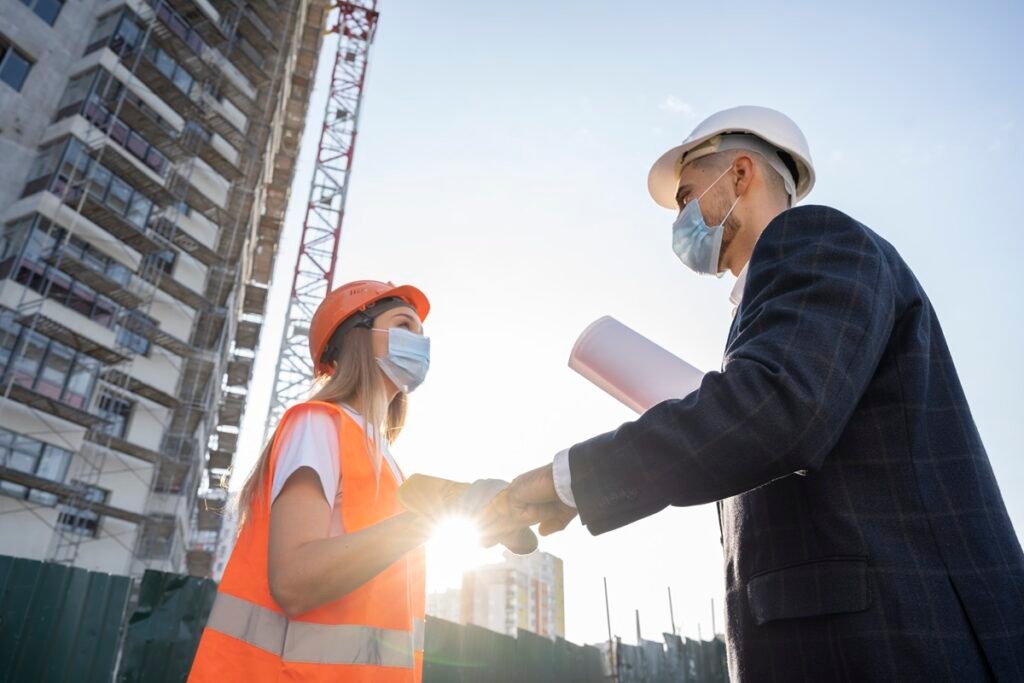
502	166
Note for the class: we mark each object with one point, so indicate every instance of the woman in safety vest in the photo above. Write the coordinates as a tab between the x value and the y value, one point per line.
326	579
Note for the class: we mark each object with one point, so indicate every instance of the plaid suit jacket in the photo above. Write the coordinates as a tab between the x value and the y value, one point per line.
864	533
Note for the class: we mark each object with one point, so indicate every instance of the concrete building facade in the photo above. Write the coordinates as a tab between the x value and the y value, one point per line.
146	152
522	592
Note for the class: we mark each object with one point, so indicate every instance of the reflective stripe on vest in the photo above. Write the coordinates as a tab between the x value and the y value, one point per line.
306	642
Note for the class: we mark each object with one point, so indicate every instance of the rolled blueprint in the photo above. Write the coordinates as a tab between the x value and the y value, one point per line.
630	367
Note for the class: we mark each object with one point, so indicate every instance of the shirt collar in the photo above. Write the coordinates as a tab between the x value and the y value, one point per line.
736	297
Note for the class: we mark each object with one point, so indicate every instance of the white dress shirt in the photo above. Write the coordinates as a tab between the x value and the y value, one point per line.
560	467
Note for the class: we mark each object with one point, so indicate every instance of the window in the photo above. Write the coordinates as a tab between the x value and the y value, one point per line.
82	521
99	181
120	196
126	37
183	80
55	371
46	162
172	477
139	210
44	365
105	27
116	410
81	380
14	66
128	335
77	89
157	537
47	10
28	362
32	457
163	260
12	239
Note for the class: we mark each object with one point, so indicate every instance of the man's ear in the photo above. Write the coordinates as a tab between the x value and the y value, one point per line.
744	166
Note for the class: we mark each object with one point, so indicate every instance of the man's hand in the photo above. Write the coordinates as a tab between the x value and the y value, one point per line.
530	499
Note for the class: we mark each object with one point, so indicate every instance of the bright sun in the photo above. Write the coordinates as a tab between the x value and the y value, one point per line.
453	548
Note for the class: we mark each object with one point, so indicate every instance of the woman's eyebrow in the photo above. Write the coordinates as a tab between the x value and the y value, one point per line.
407	317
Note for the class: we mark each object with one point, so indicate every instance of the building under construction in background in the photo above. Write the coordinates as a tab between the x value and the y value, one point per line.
146	152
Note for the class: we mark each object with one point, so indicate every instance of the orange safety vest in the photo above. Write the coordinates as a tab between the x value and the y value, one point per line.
372	635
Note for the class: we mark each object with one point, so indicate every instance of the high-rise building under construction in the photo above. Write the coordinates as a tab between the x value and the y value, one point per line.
146	152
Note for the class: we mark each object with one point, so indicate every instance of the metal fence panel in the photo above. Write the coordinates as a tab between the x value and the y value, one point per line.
442	651
535	656
164	632
58	623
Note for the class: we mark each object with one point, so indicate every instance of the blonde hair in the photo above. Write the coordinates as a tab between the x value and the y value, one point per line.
354	375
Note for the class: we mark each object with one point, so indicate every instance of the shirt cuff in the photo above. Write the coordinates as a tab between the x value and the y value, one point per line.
563	481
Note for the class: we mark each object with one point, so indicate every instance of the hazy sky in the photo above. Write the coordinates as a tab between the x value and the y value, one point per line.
502	166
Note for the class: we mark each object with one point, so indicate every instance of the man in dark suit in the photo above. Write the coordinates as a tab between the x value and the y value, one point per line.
865	535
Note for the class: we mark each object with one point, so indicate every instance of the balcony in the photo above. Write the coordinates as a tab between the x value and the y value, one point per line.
185	100
219	122
199	562
239	371
116	443
227	441
184	44
53	406
157	336
247	336
117	225
68	494
125	165
170	285
98	281
219	460
73	339
137	114
254	301
166	225
123	380
230	412
209	329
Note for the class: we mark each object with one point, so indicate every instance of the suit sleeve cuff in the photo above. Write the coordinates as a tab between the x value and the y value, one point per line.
563	478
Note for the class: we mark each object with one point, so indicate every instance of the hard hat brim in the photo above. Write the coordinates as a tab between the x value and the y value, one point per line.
663	178
410	295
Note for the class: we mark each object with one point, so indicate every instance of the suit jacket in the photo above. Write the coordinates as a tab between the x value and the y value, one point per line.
865	536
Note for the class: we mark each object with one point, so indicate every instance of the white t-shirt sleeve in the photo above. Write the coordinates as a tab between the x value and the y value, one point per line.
309	439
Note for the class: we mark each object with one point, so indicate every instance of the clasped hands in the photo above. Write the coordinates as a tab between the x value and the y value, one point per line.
505	518
529	500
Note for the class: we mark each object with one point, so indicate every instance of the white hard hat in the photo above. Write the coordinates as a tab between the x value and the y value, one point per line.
767	124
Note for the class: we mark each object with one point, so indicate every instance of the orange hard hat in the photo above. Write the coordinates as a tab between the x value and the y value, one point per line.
352	298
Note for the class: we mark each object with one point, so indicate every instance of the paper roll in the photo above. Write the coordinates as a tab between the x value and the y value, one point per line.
630	367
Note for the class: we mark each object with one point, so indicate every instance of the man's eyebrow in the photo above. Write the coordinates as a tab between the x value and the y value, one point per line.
682	191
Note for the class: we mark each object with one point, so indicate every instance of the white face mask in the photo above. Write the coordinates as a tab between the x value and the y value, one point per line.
407	359
697	244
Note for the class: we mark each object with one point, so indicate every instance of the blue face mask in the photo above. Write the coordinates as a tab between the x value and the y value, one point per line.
696	244
407	360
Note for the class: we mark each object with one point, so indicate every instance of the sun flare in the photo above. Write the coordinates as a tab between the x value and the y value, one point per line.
453	548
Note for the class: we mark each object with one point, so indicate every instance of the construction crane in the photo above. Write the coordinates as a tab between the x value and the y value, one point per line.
355	24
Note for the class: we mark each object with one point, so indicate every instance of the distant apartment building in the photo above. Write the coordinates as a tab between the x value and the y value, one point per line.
446	605
522	592
146	152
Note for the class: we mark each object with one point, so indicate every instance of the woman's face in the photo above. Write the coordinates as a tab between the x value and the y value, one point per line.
404	317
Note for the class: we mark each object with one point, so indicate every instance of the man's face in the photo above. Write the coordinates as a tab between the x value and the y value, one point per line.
714	204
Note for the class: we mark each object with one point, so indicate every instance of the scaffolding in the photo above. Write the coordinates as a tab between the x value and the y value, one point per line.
200	420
